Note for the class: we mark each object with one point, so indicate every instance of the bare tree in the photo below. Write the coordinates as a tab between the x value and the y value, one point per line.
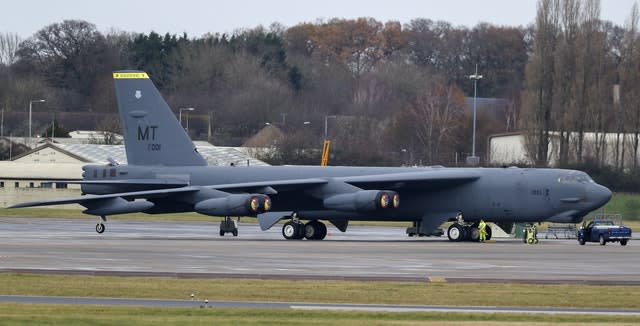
437	111
539	83
629	83
9	43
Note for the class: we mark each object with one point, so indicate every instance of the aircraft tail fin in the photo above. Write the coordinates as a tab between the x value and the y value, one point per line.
152	134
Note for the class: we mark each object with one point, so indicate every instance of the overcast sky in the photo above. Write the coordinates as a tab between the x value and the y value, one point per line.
196	18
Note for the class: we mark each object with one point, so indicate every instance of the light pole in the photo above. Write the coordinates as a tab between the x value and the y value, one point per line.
180	116
30	105
326	117
475	78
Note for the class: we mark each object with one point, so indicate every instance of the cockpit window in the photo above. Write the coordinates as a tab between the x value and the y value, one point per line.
575	178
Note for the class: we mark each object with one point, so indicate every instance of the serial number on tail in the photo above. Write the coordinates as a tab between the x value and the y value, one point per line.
154	147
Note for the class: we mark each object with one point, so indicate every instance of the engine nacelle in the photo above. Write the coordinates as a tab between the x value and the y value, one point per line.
364	200
116	205
235	205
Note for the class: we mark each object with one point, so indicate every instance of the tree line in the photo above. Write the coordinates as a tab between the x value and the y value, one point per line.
390	93
580	96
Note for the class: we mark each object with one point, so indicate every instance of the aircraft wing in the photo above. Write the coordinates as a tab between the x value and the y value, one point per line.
419	179
430	179
125	195
271	187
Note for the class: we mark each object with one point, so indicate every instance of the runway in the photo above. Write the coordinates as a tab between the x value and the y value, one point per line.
194	249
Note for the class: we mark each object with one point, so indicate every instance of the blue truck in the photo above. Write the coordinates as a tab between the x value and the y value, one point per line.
603	231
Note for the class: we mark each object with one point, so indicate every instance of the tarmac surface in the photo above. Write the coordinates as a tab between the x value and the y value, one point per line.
194	249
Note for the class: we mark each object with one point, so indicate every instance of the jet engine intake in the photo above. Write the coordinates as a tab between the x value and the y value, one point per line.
364	200
235	205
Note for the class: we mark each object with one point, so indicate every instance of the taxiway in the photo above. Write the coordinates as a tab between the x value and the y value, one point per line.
193	249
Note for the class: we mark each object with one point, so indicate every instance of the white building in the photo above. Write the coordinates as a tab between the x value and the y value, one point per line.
510	148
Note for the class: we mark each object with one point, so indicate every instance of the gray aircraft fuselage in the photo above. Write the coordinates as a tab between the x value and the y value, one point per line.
498	194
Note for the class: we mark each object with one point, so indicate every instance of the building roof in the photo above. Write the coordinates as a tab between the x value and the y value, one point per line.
93	153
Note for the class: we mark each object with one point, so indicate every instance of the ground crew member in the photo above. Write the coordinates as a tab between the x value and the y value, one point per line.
532	234
482	226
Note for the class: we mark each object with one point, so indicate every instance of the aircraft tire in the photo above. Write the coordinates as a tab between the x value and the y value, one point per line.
455	232
315	230
100	228
293	231
300	229
289	231
474	233
323	231
311	230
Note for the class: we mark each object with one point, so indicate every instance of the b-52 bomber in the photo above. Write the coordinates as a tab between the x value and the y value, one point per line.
166	174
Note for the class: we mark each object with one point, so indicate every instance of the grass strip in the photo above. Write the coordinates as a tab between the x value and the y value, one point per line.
27	314
501	295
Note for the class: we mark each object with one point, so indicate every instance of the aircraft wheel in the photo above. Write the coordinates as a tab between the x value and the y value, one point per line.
292	230
474	233
311	230
322	228
455	232
300	230
100	228
602	241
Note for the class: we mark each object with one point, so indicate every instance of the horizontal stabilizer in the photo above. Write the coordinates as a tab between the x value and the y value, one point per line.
131	182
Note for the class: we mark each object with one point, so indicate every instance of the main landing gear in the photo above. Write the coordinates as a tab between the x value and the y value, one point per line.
228	226
462	231
100	226
296	230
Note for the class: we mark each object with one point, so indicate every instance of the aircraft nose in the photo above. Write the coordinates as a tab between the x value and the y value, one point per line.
599	195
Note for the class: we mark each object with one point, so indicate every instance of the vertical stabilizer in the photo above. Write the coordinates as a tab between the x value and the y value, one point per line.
152	134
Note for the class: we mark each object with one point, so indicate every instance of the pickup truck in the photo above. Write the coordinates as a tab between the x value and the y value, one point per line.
603	231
